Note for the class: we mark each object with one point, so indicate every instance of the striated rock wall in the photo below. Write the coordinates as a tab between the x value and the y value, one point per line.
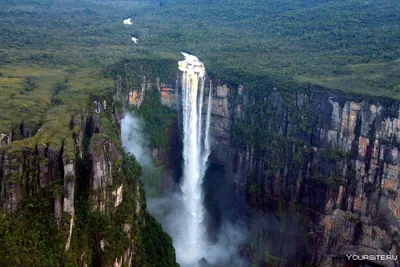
220	123
324	167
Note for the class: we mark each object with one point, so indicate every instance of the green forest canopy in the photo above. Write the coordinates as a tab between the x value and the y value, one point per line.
349	45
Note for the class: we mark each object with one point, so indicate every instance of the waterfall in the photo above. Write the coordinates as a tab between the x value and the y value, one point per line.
208	119
192	247
182	214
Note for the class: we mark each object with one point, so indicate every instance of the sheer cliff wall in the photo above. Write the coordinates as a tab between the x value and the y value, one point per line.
318	168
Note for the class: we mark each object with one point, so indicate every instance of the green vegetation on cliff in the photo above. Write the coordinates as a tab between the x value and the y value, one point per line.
31	237
157	118
144	75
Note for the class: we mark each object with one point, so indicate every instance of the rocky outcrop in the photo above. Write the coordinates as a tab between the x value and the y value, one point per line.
220	124
104	154
97	206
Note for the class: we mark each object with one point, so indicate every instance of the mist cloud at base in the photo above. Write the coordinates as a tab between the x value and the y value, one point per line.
222	251
169	209
134	141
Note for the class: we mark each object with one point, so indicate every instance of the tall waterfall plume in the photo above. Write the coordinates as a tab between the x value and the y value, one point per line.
208	119
196	149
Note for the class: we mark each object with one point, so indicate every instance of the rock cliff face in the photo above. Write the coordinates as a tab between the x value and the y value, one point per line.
321	169
27	169
317	171
97	205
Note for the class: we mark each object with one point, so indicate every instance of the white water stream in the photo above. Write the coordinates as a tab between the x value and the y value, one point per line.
196	149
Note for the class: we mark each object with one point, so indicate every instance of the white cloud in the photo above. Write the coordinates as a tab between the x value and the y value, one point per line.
135	40
127	21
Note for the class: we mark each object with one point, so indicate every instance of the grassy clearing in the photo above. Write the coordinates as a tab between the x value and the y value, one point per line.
374	79
45	111
20	106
